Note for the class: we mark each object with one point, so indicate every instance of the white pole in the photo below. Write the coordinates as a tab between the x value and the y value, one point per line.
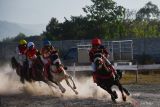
74	72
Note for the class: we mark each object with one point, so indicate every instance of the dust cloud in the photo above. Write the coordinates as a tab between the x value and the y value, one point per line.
10	84
9	81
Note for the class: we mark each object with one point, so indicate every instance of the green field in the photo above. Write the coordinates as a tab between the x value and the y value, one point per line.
143	78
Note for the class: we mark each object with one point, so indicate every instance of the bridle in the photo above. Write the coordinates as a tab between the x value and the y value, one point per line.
98	60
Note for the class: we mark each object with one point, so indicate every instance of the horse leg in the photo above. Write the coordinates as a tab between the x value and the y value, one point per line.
61	87
74	86
71	86
50	84
113	94
126	91
121	89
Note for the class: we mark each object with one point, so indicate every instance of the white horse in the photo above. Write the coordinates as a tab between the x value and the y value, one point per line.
59	73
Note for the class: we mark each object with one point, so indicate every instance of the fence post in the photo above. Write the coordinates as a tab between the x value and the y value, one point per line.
74	72
137	74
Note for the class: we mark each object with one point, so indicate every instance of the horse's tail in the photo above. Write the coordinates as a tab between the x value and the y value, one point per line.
14	62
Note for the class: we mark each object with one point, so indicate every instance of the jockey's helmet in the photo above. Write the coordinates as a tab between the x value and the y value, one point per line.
22	42
30	45
96	42
46	43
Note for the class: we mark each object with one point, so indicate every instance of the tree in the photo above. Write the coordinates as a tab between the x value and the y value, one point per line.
148	12
130	15
19	37
53	30
104	10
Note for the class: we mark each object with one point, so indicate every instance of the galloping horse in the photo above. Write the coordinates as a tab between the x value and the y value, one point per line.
36	74
105	77
59	73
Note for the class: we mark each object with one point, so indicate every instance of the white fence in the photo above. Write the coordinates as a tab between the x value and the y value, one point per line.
119	67
135	68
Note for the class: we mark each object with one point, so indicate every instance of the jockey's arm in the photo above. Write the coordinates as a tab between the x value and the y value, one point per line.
106	56
38	53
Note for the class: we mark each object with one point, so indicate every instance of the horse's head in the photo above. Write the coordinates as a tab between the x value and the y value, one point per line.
98	60
55	59
56	65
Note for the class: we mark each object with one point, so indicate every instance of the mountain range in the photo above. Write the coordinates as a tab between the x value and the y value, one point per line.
10	29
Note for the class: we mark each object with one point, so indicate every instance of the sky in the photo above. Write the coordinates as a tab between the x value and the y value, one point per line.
41	11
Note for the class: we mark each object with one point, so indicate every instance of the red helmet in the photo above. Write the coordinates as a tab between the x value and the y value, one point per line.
96	41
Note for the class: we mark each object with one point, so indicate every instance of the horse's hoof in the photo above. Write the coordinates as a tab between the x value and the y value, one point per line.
115	95
74	87
124	98
113	99
63	91
128	93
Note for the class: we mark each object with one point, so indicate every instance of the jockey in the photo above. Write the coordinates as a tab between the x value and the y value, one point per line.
21	51
46	52
98	47
31	55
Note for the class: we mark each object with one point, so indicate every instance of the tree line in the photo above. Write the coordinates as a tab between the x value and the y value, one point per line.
107	20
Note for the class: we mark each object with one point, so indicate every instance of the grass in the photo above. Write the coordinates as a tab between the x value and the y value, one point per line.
150	78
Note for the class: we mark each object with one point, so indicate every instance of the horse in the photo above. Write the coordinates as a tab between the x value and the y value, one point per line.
33	75
58	72
105	76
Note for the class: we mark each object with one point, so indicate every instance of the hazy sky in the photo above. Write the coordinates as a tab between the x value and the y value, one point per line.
41	11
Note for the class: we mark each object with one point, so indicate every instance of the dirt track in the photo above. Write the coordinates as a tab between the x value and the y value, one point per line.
22	100
142	96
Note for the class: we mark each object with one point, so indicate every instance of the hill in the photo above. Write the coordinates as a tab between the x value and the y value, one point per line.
9	29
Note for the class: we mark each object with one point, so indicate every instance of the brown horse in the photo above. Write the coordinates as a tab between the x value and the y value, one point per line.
59	73
105	77
35	75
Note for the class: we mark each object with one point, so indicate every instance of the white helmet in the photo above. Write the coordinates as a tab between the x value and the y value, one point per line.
30	44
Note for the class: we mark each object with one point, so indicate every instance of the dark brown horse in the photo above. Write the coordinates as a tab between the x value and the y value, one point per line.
105	77
35	74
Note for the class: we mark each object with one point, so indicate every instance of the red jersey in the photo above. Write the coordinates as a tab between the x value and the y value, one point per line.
22	49
31	53
50	50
